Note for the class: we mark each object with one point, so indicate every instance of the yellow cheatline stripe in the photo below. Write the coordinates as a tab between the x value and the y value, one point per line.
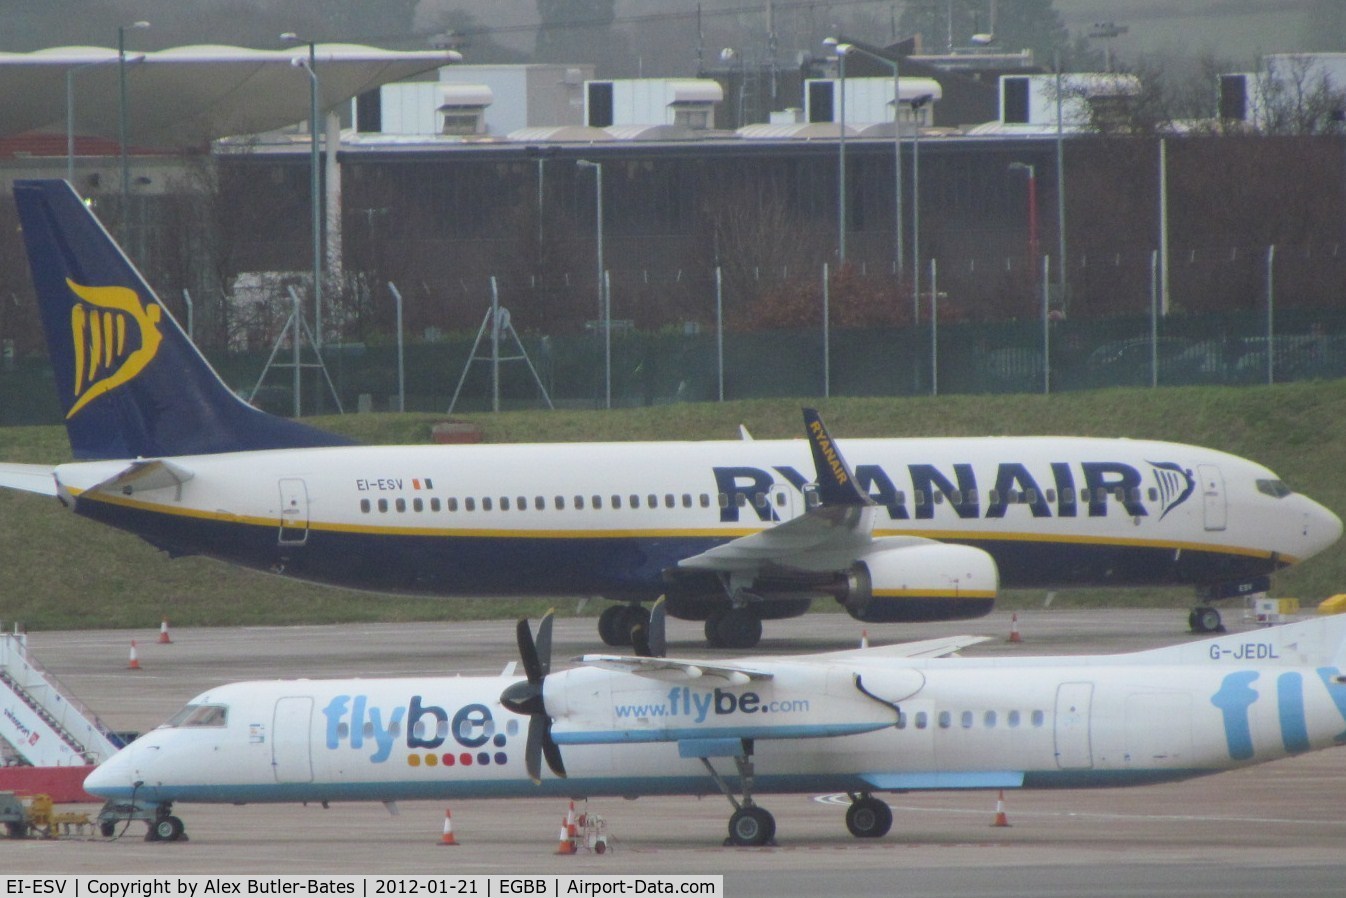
934	594
1016	537
955	536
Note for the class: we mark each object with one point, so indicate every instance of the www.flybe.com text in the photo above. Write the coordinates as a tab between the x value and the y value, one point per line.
685	702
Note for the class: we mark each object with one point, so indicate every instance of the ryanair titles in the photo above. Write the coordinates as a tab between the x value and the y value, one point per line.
1060	489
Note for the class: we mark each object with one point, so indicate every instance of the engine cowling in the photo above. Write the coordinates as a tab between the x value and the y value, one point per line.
921	582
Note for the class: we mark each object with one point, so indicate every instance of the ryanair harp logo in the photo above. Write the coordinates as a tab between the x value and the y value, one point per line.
114	338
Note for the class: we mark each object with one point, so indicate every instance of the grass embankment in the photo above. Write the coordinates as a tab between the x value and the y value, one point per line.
62	572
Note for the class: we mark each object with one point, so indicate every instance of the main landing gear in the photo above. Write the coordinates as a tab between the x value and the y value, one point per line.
868	817
617	621
749	825
733	628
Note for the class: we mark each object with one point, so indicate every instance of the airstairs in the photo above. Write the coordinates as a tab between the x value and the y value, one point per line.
41	723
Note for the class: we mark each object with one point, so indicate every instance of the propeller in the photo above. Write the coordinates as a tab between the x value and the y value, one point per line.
526	698
651	640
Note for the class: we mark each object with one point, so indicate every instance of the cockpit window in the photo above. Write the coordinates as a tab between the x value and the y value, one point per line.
200	716
1274	488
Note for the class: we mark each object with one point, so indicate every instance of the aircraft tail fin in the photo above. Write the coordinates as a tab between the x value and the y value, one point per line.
131	383
836	483
1314	642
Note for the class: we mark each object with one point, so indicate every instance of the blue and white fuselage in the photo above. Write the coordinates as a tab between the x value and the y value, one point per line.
859	722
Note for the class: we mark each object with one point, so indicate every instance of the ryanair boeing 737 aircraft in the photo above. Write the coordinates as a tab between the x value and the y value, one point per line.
733	533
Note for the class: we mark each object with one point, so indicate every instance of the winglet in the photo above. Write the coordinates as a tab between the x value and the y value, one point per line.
836	483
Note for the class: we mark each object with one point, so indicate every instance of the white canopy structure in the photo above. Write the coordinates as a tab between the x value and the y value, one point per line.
186	96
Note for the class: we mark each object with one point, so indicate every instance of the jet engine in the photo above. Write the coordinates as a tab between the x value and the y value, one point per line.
923	581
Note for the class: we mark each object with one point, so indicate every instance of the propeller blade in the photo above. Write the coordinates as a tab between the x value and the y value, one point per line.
552	752
528	653
532	755
658	631
544	643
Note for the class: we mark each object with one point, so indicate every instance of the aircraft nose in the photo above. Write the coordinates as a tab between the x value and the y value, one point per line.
114	777
1322	527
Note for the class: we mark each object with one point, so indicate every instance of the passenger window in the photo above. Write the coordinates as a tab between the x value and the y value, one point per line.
469	504
617	502
780	499
521	503
1031	497
723	500
901	720
560	503
452	503
401	504
669	501
365	506
990	720
417	505
539	503
920	496
967	720
686	500
922	720
383	505
434	503
595	502
579	503
634	501
705	500
485	503
1012	719
1039	718
1153	494
945	720
1051	495
652	500
939	498
504	503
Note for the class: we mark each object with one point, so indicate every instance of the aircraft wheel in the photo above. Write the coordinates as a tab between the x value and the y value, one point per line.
739	629
869	818
167	829
713	629
1205	619
636	616
609	626
751	826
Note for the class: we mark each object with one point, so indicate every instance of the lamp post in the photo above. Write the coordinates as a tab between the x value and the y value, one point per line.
841	148
916	104
70	107
842	51
1032	213
121	120
315	210
604	299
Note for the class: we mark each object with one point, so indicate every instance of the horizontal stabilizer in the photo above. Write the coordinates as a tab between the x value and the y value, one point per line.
155	474
38	479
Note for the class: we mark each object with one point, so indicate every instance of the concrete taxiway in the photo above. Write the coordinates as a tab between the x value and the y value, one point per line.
1277	828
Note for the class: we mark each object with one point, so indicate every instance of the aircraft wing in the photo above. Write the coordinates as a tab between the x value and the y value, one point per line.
673	670
40	479
940	647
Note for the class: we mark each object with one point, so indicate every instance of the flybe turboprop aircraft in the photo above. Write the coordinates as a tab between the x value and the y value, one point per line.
901	718
733	533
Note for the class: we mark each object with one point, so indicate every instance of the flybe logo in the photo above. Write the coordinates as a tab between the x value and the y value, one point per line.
114	337
432	734
1236	696
1057	489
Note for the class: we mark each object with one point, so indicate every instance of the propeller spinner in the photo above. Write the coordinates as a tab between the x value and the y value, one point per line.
527	698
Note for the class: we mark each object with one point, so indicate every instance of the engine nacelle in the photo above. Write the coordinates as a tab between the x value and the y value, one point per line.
921	582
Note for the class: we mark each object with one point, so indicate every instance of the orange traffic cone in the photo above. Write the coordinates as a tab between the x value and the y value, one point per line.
1000	818
447	838
572	829
163	633
135	661
1014	628
564	844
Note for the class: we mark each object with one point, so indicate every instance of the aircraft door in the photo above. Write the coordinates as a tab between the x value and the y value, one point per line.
1212	496
293	512
1074	750
291	740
